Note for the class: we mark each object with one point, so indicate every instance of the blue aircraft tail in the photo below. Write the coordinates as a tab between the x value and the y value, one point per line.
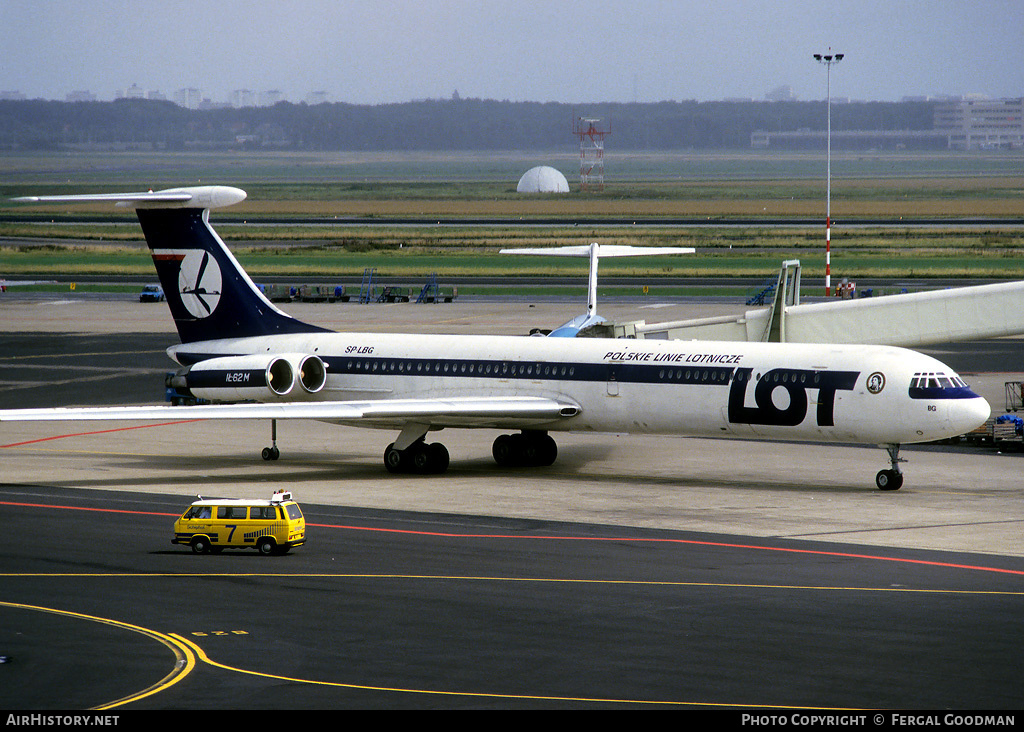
209	294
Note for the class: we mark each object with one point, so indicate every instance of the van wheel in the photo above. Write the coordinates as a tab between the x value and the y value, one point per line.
200	545
266	546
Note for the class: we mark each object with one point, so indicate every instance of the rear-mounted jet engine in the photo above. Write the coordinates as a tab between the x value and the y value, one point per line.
262	378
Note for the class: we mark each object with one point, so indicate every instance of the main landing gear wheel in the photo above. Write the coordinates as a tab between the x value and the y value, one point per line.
419	458
527	449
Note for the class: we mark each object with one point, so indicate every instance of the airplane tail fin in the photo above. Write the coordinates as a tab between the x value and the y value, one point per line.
209	294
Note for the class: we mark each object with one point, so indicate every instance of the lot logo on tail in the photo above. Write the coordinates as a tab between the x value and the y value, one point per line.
199	279
199	282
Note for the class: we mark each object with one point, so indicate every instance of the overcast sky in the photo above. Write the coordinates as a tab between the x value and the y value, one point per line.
380	51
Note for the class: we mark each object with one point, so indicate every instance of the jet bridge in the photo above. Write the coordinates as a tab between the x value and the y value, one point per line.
915	319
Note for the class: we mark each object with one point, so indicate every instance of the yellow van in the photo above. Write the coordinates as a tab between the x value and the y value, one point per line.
270	526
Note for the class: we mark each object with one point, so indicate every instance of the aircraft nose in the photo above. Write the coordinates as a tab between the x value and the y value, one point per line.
967	414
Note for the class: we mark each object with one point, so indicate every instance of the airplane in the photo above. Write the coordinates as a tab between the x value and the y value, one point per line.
254	361
573	328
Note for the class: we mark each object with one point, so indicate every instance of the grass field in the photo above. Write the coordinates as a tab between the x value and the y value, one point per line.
713	186
921	256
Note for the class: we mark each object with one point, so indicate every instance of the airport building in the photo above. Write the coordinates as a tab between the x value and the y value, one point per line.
982	124
964	124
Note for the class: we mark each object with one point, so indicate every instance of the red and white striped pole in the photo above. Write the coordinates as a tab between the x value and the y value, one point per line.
828	60
828	254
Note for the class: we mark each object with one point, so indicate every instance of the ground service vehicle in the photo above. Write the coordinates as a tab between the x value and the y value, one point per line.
270	526
151	293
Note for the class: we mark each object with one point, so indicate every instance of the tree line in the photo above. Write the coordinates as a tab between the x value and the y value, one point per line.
438	125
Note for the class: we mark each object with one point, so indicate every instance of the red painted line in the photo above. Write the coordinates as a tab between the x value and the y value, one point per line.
86	508
100	432
631	539
724	545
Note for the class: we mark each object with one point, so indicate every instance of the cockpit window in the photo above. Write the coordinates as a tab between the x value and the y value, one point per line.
939	386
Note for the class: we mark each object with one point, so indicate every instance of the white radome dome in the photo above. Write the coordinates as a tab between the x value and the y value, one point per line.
542	179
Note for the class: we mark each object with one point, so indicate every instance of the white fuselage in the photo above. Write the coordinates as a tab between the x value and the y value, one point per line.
842	393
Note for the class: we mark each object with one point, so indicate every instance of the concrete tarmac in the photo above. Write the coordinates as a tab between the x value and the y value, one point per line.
965	499
635	571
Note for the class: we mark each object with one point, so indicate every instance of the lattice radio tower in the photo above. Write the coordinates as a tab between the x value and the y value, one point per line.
591	132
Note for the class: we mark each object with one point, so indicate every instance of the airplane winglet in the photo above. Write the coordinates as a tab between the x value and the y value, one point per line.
190	197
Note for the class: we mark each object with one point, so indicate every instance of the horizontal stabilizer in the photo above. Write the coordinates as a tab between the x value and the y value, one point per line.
604	250
191	197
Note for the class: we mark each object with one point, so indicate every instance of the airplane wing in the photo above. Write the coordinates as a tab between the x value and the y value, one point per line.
439	412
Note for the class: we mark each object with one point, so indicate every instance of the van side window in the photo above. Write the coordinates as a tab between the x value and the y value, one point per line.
263	512
197	512
231	512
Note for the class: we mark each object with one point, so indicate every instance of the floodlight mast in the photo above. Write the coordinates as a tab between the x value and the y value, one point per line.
828	60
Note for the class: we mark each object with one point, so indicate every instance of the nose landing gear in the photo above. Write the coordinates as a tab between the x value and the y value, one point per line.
272	452
892	479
